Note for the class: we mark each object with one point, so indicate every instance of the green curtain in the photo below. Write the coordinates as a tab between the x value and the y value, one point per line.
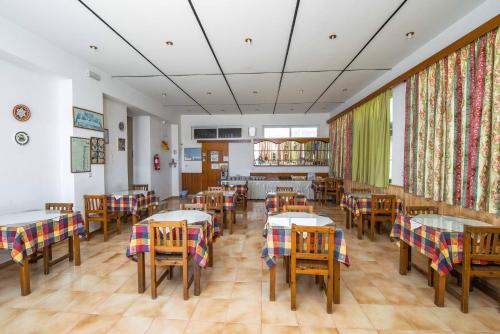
371	141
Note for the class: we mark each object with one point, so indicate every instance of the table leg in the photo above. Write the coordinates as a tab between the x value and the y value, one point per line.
272	284
197	277
347	219
134	219
336	281
150	210
76	250
24	277
439	288
403	257
360	226
141	275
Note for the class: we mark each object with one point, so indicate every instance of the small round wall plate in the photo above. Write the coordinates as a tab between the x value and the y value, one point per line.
22	138
121	126
21	112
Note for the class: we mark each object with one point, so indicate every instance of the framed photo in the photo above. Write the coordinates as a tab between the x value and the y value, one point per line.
192	154
80	155
214	156
86	119
121	144
97	151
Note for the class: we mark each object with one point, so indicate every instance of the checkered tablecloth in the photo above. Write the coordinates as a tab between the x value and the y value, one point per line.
133	203
279	243
197	242
443	247
229	200
26	240
272	202
241	189
362	205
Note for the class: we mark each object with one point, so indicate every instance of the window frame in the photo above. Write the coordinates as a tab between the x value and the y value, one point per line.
289	127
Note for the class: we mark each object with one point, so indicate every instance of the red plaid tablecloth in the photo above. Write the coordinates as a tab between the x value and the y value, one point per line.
198	245
362	205
229	200
443	247
272	201
241	189
279	243
26	240
132	203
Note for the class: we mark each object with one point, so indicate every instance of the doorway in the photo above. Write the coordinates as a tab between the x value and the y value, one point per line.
213	154
130	151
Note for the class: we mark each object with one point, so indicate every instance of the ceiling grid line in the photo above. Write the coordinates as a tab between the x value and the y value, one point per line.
357	54
286	53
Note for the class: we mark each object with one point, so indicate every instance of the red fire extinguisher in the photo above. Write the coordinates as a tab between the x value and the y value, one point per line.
156	161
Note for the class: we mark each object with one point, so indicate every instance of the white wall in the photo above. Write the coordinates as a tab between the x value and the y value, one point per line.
161	180
142	150
241	154
174	147
116	167
398	132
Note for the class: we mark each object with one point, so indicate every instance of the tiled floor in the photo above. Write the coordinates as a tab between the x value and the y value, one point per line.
101	295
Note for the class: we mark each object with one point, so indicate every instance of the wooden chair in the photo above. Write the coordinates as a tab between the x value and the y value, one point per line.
218	188
413	211
168	247
215	202
340	190
383	210
47	251
286	198
143	187
480	244
298	208
319	194
284	189
96	210
210	232
314	255
331	189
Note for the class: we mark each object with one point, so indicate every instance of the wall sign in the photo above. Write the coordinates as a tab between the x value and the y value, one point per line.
192	154
22	138
80	155
21	112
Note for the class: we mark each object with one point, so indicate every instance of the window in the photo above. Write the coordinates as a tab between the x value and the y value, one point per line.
229	132
204	133
291	132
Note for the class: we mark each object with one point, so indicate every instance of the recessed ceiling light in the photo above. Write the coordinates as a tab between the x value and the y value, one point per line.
93	47
301	91
209	93
323	108
222	110
291	109
248	41
163	94
189	110
410	35
169	43
344	90
332	36
257	109
255	92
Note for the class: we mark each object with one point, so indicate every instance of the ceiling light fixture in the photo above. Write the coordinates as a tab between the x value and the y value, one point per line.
344	90
255	92
248	41
163	94
291	109
257	109
301	91
410	35
169	43
332	37
209	93
222	110
93	47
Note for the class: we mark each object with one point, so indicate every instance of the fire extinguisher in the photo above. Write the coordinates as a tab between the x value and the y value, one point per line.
156	162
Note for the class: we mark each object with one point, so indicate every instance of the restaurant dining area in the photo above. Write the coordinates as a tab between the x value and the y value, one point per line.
235	166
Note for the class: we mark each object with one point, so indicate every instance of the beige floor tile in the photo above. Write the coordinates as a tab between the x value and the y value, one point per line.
216	289
117	303
249	290
167	326
145	306
238	328
350	316
211	309
276	329
356	331
368	295
244	310
132	325
386	317
204	327
179	309
95	324
317	330
31	321
61	323
458	321
278	313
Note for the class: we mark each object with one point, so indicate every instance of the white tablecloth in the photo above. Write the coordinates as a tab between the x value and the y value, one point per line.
28	217
192	216
120	194
286	219
259	189
447	223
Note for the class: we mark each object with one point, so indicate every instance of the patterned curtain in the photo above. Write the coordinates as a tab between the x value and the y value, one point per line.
341	146
452	141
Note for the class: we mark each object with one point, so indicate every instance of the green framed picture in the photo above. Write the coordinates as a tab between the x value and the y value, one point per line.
80	155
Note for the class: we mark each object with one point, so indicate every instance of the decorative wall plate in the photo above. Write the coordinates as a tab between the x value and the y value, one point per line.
121	126
22	138
21	112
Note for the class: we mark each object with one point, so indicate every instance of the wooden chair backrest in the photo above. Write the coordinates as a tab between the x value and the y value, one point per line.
318	243
63	207
481	243
96	204
383	204
284	189
197	206
213	199
360	190
143	187
218	188
330	184
298	208
421	210
171	237
286	198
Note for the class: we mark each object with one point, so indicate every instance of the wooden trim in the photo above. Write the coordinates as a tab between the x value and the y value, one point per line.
224	141
461	42
298	140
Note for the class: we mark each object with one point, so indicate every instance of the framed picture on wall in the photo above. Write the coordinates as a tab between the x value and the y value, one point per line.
192	154
87	119
121	144
80	155
97	151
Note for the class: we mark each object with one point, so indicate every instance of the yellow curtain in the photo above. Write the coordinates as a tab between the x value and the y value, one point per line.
371	141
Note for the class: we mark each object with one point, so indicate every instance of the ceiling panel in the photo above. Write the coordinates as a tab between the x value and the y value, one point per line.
187	110
352	81
322	107
354	22
70	26
199	88
304	87
264	108
148	24
222	109
244	86
427	18
291	108
229	22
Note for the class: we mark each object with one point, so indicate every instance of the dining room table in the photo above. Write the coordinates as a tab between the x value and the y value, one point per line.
133	202
439	238
229	205
198	241
25	233
272	205
278	243
241	189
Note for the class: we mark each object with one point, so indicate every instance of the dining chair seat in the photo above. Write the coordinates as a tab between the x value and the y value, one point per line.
303	264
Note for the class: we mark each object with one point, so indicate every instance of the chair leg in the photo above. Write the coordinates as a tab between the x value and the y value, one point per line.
329	291
170	272
293	285
70	248
119	225
465	292
46	260
211	254
87	229
360	226
221	224
153	281
185	281
287	269
372	229
430	271
105	230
